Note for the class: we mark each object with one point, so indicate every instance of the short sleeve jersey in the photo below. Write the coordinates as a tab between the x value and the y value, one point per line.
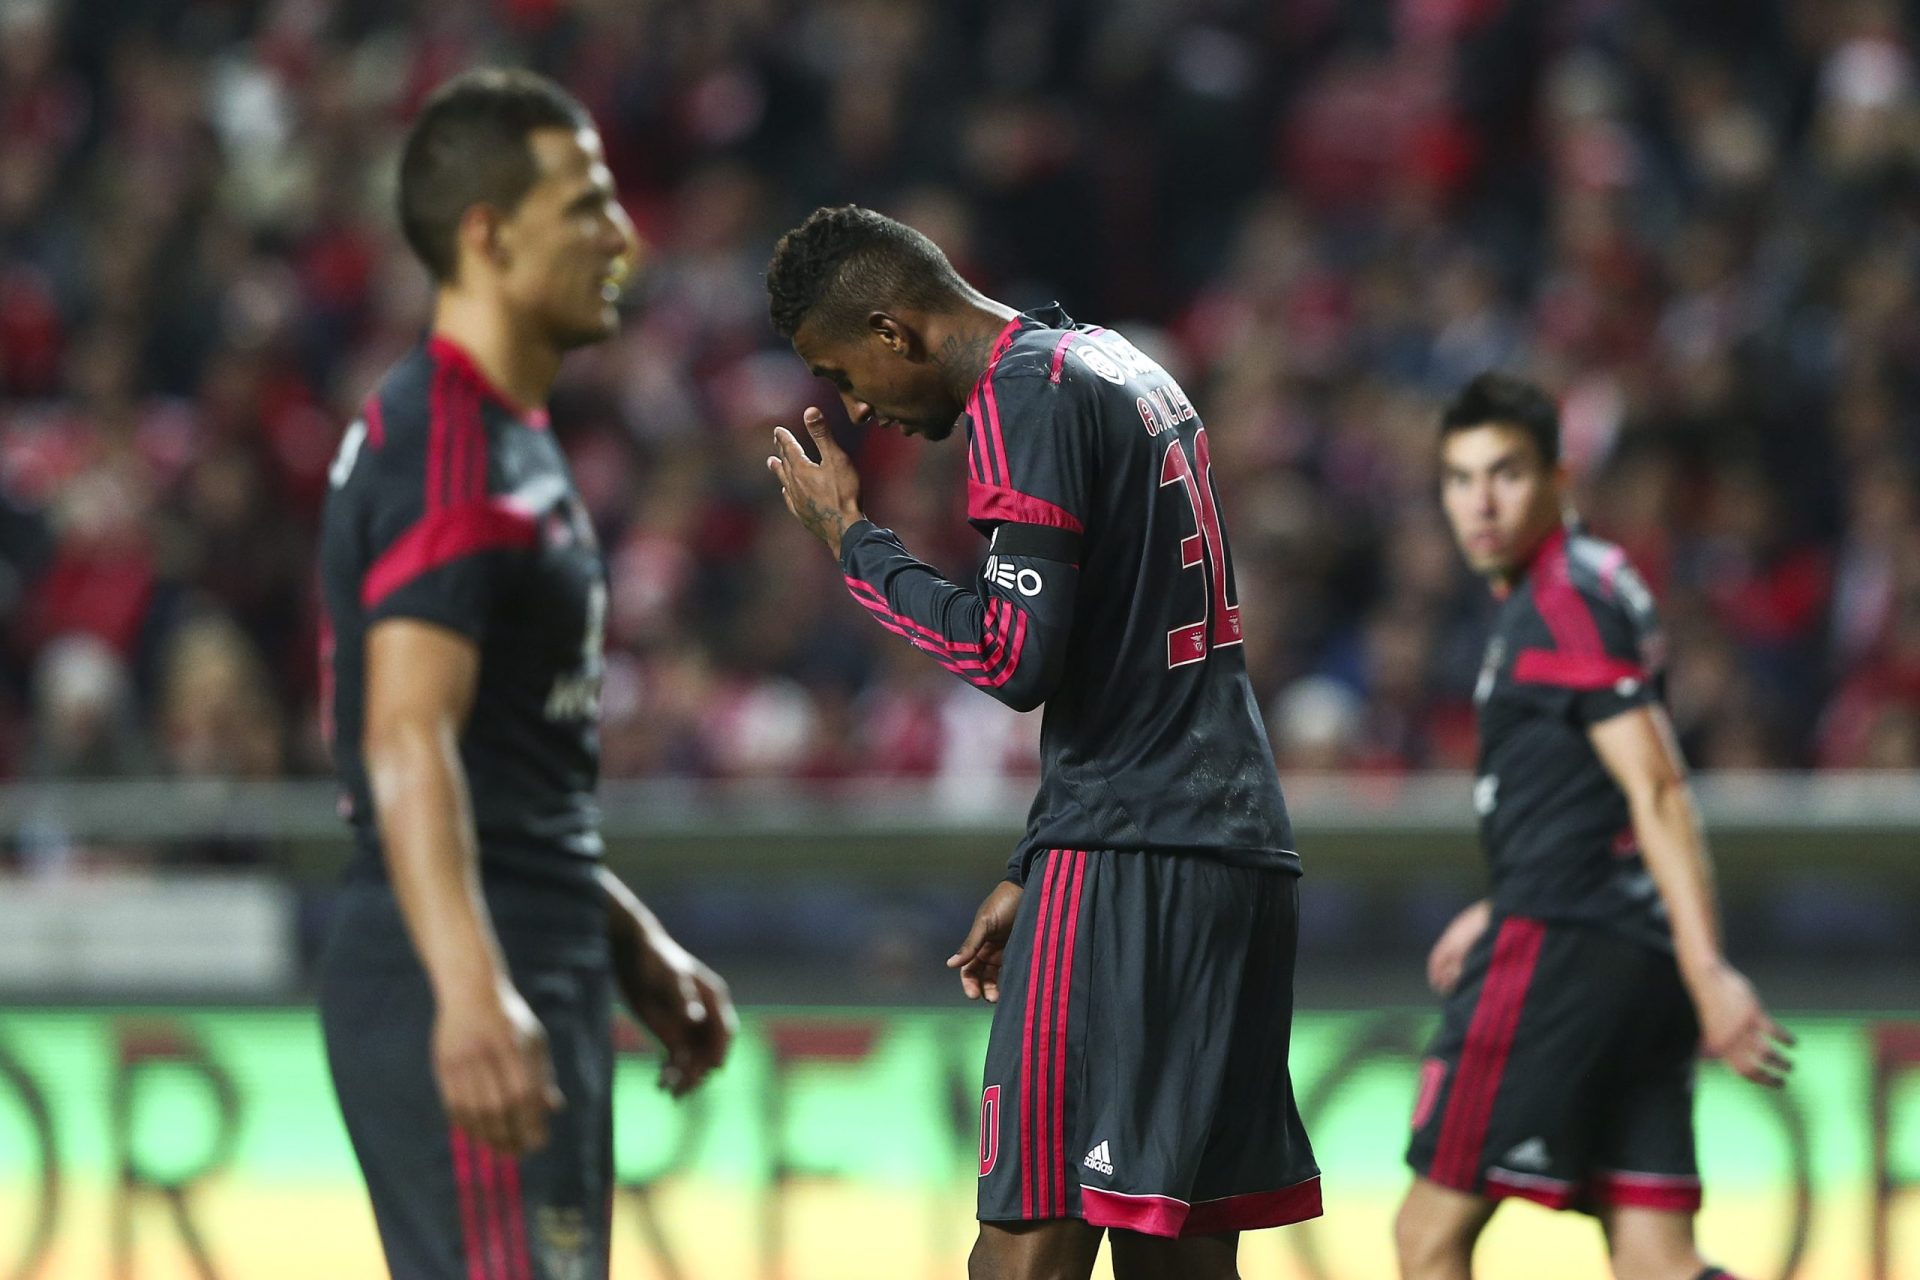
1108	595
452	506
1576	642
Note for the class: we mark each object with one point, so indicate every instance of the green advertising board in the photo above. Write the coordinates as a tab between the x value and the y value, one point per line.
836	1144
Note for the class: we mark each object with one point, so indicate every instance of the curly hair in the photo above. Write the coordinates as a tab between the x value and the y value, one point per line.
468	147
1509	401
842	263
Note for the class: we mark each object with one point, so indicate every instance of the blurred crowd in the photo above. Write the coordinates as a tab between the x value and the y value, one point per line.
1699	224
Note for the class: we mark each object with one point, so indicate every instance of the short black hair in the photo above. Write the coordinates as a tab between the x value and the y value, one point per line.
843	263
469	146
1502	399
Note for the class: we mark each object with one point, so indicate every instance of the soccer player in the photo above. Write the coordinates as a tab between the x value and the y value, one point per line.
1140	951
1580	993
466	990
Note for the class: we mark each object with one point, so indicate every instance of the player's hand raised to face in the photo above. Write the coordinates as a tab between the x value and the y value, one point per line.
686	1006
825	495
491	1063
979	956
1736	1028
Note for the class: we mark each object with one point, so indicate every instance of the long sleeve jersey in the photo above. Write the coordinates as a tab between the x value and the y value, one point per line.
1107	596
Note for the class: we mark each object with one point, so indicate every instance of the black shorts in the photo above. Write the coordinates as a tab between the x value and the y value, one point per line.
447	1206
1562	1073
1137	1071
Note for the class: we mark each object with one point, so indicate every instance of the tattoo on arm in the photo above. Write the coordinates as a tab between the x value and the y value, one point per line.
819	518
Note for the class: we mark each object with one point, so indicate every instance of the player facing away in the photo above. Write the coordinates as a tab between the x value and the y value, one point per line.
466	992
1579	995
1140	951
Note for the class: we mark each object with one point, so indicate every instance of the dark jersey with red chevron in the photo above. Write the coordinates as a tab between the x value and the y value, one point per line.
1576	642
1107	595
452	506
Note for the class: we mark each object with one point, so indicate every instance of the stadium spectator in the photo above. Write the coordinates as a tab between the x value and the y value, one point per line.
1697	226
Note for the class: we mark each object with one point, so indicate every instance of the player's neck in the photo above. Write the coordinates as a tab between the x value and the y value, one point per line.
1505	582
960	343
521	365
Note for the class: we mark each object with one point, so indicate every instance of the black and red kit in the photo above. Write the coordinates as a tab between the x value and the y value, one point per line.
452	506
1563	1069
1137	1071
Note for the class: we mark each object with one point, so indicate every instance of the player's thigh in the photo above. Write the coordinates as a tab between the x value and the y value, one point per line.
1436	1221
376	1012
566	1186
1051	1249
1645	1156
1511	1089
1144	1257
1650	1244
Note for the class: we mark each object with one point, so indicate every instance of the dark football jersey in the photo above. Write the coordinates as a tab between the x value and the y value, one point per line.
1107	595
452	506
1576	642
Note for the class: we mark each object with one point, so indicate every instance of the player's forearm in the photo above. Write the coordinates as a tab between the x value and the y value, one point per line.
1007	649
631	924
427	836
1674	848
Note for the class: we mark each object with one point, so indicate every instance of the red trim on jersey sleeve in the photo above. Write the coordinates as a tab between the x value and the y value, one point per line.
1582	672
994	502
998	648
443	537
1256	1211
376	423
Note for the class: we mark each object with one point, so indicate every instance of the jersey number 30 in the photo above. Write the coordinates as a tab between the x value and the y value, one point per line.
1189	643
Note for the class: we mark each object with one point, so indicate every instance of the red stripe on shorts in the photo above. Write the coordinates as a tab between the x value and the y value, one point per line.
1028	1113
1046	1100
467	1193
1072	909
1483	1060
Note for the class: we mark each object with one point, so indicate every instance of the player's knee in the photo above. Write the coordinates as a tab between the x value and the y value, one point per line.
1060	1249
982	1264
1145	1257
1428	1243
1654	1259
998	1256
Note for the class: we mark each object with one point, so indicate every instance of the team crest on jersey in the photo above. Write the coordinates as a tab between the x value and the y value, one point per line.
1097	360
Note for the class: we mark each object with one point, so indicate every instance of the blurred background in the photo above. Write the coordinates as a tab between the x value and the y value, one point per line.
1699	224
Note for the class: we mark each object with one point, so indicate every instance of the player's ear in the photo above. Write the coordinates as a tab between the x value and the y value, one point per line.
898	339
481	234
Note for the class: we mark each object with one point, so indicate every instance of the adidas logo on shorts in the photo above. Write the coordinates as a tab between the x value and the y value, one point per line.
1531	1154
1100	1160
